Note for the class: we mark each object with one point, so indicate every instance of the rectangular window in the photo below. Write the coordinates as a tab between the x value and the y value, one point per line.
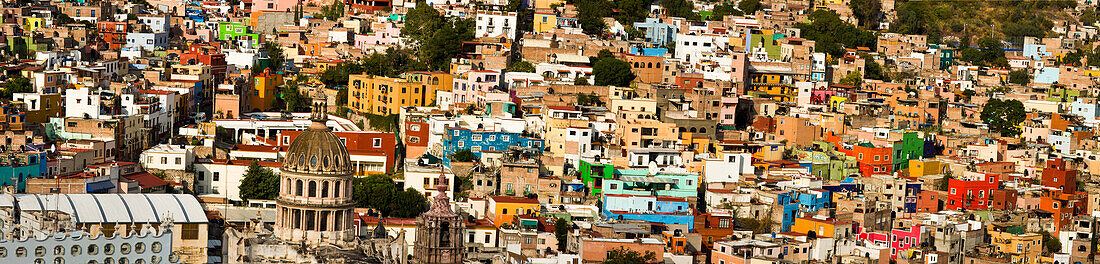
475	137
190	232
217	176
505	137
492	137
378	142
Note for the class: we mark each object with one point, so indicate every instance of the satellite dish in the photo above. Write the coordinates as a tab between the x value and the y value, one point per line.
653	168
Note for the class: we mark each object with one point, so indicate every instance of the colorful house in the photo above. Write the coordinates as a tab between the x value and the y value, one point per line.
973	193
665	210
236	31
899	240
820	226
485	141
504	209
1024	248
266	88
910	147
593	175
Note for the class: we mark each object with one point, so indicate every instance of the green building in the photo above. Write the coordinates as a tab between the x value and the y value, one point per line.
910	147
231	31
593	176
826	162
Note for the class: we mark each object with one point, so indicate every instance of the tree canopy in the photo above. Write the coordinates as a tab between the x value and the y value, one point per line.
15	84
867	12
854	78
680	8
380	193
624	255
990	52
1020	77
749	6
725	9
438	38
464	155
259	183
613	71
521	66
561	232
832	35
1003	116
275	56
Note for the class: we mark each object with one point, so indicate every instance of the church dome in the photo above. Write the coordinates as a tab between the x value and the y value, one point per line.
317	150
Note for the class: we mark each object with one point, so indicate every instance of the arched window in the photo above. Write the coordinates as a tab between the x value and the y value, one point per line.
445	234
336	189
312	188
650	65
324	189
693	130
703	130
298	188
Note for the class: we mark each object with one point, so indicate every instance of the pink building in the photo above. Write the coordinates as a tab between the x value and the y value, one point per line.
727	115
274	5
472	86
383	34
899	240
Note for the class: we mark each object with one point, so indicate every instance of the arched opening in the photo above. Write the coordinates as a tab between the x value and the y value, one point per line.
298	188
324	189
336	189
693	130
445	234
312	188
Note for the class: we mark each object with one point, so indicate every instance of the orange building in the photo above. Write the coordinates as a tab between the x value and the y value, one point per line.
647	68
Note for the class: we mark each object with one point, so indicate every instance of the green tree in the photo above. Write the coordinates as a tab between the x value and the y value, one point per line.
19	48
613	71
275	56
680	8
832	34
380	193
867	12
439	38
561	232
1003	116
521	66
259	183
333	11
875	71
720	12
16	84
749	6
292	99
581	81
854	78
464	155
1050	243
624	255
1020	77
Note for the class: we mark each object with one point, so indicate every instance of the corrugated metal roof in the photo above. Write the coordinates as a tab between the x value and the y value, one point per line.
114	208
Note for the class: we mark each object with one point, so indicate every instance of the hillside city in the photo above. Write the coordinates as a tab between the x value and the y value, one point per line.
549	131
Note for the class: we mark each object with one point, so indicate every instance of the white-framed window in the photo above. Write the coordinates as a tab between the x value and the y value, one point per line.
461	144
414	127
378	142
476	149
492	137
505	137
455	133
476	137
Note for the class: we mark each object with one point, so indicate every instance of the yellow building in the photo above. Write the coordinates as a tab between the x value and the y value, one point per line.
772	85
385	96
918	168
266	89
545	22
504	209
821	227
33	23
1022	248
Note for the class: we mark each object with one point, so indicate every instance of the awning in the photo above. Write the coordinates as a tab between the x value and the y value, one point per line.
646	179
100	186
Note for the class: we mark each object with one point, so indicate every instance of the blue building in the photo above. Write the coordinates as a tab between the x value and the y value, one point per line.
665	210
16	168
1036	51
481	141
798	203
656	32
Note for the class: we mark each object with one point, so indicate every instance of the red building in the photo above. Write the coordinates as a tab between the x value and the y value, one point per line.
1061	206
931	201
114	33
973	194
872	160
368	5
371	152
205	54
1056	176
1004	200
416	139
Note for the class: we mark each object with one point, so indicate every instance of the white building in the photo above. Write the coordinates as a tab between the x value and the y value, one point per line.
729	169
147	41
495	24
168	157
83	103
157	23
691	47
221	178
425	178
